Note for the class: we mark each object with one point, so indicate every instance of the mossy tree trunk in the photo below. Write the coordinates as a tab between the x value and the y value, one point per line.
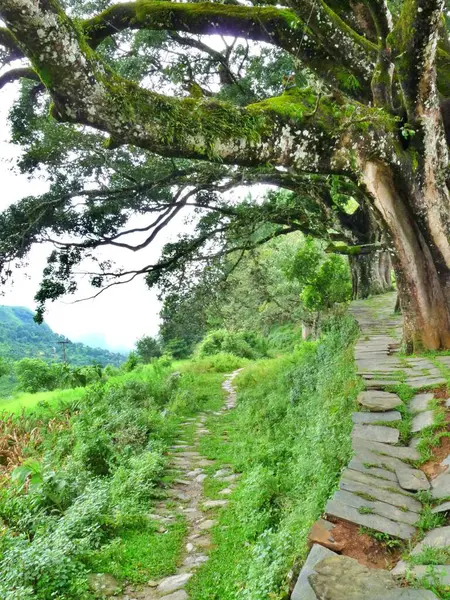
371	274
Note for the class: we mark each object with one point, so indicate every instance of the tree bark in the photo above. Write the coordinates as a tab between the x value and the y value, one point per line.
422	273
371	274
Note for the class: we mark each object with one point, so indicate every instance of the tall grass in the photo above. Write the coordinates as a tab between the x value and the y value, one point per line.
290	438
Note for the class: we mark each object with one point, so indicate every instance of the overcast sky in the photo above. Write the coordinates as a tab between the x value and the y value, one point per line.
120	315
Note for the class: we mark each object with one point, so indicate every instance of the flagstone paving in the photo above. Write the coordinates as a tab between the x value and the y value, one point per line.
379	488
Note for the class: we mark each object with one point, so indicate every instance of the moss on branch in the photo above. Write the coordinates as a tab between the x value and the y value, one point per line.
277	26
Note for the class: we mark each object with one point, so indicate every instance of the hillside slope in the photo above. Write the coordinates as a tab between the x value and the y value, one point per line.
21	337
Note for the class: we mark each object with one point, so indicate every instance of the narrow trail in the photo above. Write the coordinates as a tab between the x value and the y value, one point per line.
186	493
379	489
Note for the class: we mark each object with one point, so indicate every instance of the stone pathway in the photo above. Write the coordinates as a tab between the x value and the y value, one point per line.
379	488
187	493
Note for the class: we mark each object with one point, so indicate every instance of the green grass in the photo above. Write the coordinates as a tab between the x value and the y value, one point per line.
138	554
289	437
27	402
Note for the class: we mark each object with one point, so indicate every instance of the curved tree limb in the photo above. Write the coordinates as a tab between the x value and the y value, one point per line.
16	74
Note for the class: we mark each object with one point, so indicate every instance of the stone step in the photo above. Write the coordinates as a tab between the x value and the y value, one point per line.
366	418
440	486
378	460
380	508
412	479
417	383
376	433
422	420
377	401
382	495
401	452
431	574
376	482
339	510
436	538
420	403
303	589
365	467
344	578
444	507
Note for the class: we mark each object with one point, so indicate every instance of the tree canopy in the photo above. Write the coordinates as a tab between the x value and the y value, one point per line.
159	107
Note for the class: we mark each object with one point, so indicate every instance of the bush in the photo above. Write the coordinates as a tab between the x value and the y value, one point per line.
35	375
148	348
245	344
218	363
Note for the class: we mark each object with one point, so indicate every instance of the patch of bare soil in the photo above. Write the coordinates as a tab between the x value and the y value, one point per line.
364	548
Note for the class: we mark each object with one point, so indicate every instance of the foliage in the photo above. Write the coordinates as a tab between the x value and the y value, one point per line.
35	375
245	344
148	348
297	408
324	280
82	496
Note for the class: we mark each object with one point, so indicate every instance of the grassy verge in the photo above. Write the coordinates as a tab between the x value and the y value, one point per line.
89	475
289	437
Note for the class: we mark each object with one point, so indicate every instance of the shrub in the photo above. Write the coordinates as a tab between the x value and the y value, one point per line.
218	363
245	344
148	348
35	375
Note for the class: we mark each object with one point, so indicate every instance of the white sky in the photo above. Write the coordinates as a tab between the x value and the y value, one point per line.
119	316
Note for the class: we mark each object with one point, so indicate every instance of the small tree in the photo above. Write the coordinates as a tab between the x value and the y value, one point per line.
35	375
324	281
148	348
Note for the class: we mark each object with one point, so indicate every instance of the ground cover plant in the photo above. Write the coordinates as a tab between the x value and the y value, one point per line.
289	437
78	497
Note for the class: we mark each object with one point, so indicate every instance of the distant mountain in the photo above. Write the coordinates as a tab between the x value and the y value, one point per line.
21	337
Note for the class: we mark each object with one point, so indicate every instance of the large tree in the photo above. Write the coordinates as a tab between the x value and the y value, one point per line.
378	73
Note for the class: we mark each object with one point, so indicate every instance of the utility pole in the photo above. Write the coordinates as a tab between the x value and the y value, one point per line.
64	346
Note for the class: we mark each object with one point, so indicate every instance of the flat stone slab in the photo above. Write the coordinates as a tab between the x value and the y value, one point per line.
416	383
422	420
436	538
379	508
401	452
334	508
367	418
377	482
357	465
303	589
441	508
379	460
382	495
444	360
420	402
344	578
376	401
412	479
440	486
173	583
376	433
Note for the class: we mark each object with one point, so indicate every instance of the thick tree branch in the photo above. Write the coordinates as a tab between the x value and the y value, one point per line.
16	74
311	38
280	130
